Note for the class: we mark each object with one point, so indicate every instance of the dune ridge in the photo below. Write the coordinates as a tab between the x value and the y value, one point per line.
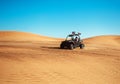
107	39
23	36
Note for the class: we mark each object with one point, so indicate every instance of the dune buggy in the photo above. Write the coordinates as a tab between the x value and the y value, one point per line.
72	41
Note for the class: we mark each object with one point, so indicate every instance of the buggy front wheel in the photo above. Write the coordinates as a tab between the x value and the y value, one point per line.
71	47
82	46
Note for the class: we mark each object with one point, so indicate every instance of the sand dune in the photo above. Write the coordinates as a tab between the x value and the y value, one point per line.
26	59
110	40
23	36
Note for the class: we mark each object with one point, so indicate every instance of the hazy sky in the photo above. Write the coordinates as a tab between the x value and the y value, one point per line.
57	18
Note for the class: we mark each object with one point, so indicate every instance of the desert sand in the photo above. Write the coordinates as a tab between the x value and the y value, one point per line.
27	58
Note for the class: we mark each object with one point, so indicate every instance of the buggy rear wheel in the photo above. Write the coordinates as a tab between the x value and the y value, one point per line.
62	46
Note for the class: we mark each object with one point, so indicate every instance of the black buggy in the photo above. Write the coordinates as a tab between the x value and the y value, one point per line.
72	41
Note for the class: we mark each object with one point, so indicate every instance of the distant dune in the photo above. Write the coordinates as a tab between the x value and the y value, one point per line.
27	58
101	42
23	36
111	39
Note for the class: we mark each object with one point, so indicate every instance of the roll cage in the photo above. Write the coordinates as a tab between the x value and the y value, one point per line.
72	37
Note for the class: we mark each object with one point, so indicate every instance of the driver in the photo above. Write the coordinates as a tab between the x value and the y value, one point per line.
76	39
